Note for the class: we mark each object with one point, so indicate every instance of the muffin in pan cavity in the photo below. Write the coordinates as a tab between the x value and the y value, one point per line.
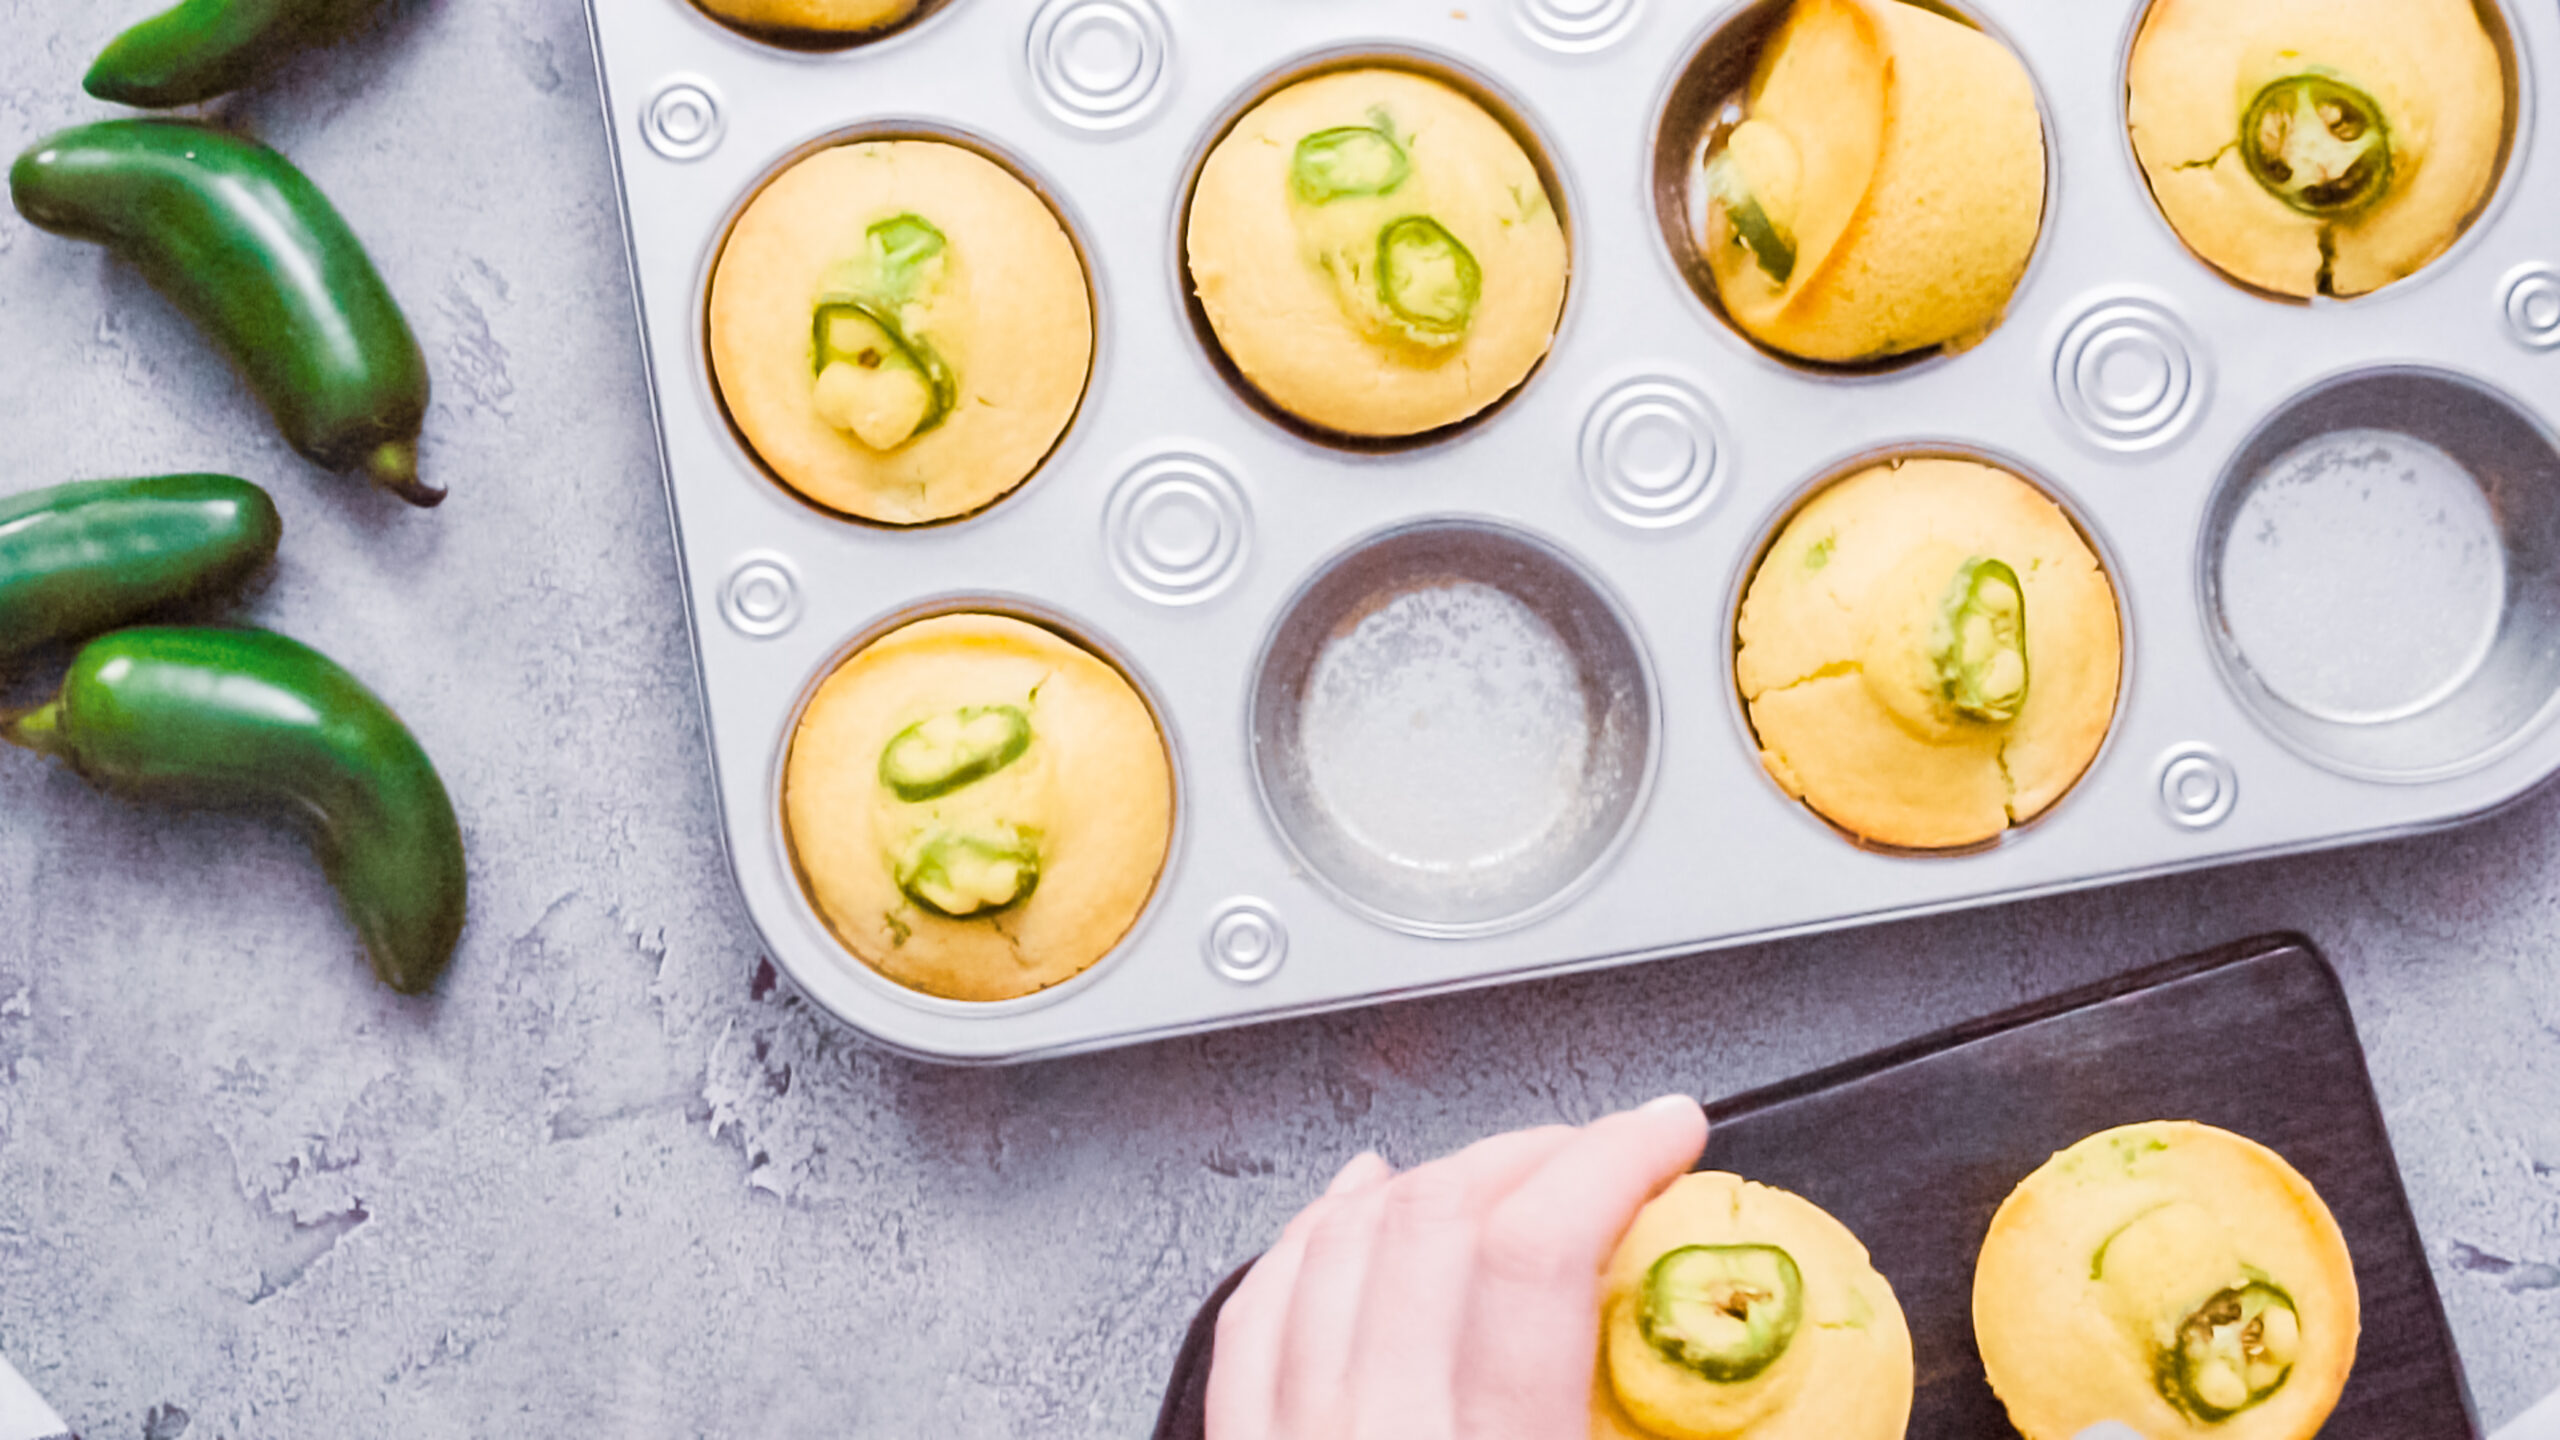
900	329
817	24
2320	147
1930	653
2173	1276
1732	1309
1376	254
1851	182
979	807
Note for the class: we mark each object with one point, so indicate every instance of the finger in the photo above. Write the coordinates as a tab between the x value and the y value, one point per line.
1413	1306
1244	1360
1533	1321
1324	1306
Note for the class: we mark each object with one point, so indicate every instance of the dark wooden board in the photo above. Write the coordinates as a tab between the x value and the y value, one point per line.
1914	1149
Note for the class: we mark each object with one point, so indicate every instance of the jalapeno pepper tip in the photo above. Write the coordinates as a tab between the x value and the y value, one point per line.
39	729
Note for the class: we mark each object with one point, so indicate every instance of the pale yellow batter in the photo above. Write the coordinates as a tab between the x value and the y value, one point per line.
978	807
2384	153
1376	253
1885	189
1835	1364
2176	1277
958	324
1930	653
812	17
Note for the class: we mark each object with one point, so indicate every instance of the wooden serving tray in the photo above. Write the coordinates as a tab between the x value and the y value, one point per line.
1914	1148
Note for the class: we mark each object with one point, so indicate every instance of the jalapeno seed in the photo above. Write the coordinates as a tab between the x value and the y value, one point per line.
932	758
1724	1312
2318	144
1981	649
1428	280
1349	160
2233	1352
969	876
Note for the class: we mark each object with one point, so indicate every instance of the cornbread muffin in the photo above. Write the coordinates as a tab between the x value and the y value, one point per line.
2318	147
1883	190
901	329
978	807
1731	1310
1930	653
2173	1276
811	18
1376	253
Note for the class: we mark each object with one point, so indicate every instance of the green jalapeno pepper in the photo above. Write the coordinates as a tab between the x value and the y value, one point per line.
932	758
2318	144
76	560
968	876
2232	1352
1349	160
247	718
1770	245
252	252
886	385
1724	1312
1981	644
203	48
1428	280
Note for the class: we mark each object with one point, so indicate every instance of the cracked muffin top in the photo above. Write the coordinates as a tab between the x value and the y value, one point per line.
1930	654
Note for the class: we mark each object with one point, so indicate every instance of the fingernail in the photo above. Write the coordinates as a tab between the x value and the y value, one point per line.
1363	1167
1671	1105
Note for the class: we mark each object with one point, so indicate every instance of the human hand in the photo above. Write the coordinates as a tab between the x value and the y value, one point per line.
1457	1301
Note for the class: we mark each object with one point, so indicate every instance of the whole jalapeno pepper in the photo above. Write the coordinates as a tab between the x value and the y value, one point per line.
202	48
255	255
79	559
251	719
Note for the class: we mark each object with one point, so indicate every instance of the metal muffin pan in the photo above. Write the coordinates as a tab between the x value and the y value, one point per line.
1641	470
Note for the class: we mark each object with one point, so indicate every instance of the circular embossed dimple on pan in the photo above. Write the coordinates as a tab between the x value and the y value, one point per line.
1454	727
2380	573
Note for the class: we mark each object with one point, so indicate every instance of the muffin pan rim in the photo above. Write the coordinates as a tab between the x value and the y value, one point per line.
1774	525
1511	111
1055	621
1639	792
1786	879
1678	248
706	374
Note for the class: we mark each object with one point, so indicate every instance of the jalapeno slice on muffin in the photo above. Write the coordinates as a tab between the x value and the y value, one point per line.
1725	1311
2318	144
1349	160
1982	653
2233	1352
967	875
1428	279
932	758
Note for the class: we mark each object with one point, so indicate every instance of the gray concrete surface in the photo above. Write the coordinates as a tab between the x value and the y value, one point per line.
615	1181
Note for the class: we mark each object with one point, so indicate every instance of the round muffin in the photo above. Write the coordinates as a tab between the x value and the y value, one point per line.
1930	653
1883	190
2173	1276
901	329
978	807
2318	147
811	19
1731	1309
1376	253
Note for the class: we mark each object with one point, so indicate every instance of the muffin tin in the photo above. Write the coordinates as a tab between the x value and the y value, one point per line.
2334	528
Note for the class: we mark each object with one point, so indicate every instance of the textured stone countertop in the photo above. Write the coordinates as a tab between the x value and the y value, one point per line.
616	1181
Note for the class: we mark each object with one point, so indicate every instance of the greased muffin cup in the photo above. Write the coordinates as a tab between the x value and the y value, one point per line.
1451	695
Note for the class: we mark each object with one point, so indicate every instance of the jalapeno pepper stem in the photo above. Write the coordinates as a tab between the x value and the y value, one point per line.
39	729
393	466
